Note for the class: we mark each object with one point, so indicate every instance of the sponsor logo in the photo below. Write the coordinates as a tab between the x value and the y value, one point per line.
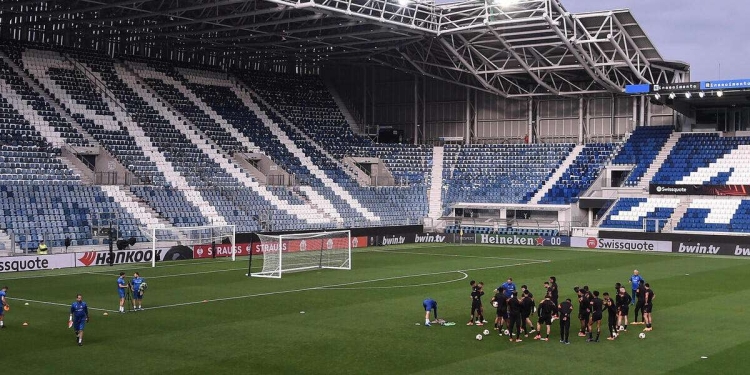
698	249
429	238
671	189
222	250
592	242
355	242
496	239
100	258
329	244
87	258
742	251
302	245
37	263
394	241
604	243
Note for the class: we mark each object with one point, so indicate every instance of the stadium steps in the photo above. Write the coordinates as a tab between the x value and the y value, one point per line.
677	215
53	103
659	160
353	124
77	166
143	71
5	243
254	95
304	159
557	175
435	193
320	203
146	145
130	203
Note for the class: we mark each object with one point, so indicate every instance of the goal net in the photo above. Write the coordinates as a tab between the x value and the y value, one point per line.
177	243
304	251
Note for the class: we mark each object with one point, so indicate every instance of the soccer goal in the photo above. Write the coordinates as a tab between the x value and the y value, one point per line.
304	251
176	243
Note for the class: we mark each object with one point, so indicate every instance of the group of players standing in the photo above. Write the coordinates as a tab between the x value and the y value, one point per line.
514	312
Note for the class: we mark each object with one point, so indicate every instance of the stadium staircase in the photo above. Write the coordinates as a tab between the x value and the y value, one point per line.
677	215
659	160
248	101
557	175
353	124
435	193
145	216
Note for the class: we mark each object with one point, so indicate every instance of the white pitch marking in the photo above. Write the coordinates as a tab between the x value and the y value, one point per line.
56	304
324	287
464	277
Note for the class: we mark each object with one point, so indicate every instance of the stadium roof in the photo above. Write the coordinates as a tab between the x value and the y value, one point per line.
513	48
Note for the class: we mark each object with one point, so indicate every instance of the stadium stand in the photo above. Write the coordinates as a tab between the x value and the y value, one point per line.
641	149
706	159
580	174
716	215
631	213
498	173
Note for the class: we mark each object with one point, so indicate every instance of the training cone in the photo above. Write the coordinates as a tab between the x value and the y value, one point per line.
105	313
25	324
26	304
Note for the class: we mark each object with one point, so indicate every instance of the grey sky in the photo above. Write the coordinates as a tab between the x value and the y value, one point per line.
699	32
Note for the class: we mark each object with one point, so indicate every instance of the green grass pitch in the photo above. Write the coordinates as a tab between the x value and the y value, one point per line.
364	321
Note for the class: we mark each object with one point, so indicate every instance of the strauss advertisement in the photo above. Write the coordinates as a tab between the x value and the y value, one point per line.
259	248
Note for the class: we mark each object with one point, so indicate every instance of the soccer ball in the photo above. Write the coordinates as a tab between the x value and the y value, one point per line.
615	335
642	335
494	304
479	337
622	328
506	333
486	332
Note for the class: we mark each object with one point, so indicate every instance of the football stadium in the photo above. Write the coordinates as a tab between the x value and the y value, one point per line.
365	187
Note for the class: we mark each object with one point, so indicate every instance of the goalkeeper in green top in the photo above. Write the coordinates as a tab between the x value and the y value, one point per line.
138	285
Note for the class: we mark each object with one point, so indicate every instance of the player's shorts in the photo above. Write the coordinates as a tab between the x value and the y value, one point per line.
476	304
647	308
582	315
2	310
595	317
525	316
79	324
639	305
121	292
624	310
137	295
545	320
501	314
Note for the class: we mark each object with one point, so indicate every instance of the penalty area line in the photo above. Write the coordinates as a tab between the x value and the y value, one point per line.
341	285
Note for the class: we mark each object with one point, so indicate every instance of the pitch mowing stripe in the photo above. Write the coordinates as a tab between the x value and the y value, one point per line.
56	304
456	255
463	277
332	286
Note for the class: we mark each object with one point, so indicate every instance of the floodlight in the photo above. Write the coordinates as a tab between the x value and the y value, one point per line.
720	93
701	94
671	95
688	95
403	3
657	96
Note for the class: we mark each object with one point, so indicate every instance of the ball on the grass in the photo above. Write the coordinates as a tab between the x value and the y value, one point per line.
494	304
642	335
26	304
479	337
622	328
486	332
506	333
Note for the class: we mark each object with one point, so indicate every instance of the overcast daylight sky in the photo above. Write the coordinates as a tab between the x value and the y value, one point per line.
703	33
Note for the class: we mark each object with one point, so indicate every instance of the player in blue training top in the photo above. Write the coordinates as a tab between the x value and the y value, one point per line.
3	303
429	304
635	280
79	315
135	284
508	288
122	287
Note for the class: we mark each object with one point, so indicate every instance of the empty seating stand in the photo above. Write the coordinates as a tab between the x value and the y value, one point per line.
580	174
640	150
632	213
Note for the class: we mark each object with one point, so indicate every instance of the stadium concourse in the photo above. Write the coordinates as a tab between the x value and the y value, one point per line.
290	131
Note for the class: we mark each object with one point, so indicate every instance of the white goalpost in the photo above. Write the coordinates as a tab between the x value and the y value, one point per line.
304	251
176	239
